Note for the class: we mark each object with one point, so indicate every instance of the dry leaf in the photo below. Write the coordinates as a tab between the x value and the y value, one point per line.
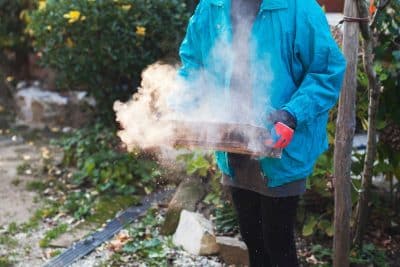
313	260
120	240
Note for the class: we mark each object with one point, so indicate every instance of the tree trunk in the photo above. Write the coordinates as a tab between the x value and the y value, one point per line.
344	140
373	89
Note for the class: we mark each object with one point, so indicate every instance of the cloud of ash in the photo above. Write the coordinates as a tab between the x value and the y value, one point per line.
166	109
144	119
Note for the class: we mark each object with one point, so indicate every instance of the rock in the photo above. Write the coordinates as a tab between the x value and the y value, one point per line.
195	234
67	239
233	251
38	108
188	194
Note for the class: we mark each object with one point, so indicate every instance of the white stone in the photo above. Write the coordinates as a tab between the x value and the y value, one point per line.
31	94
195	234
82	97
38	108
21	85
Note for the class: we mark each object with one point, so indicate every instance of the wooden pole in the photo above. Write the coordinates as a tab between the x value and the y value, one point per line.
344	139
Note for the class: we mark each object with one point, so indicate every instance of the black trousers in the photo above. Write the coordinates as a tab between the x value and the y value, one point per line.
267	227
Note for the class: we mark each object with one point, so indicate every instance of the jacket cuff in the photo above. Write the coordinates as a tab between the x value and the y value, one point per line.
291	114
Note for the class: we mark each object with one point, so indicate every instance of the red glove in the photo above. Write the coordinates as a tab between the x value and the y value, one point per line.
283	129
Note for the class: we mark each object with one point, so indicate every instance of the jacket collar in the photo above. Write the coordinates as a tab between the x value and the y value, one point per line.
265	5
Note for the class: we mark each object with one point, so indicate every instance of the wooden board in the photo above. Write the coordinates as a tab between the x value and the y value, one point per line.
230	137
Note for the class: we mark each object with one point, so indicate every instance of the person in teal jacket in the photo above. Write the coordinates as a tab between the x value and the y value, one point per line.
276	61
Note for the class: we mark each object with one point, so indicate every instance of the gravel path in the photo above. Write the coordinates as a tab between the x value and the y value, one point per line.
18	160
17	204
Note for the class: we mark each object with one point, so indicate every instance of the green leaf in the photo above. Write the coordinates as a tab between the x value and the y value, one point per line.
130	248
152	243
308	228
198	165
327	227
384	76
381	124
89	166
396	55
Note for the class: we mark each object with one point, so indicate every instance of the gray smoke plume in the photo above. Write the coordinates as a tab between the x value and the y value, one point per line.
163	100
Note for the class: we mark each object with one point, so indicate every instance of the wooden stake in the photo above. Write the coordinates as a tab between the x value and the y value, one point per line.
344	139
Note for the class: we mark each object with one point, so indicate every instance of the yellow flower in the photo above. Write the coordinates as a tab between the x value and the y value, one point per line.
23	15
48	27
30	32
72	16
126	7
141	31
69	43
42	4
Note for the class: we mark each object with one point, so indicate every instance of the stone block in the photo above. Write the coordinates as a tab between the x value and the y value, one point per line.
195	234
233	251
188	194
38	108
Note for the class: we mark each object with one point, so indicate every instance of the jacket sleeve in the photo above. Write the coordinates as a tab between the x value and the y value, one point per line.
183	98
189	51
323	65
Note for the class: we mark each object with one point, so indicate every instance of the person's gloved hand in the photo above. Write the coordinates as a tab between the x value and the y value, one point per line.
283	128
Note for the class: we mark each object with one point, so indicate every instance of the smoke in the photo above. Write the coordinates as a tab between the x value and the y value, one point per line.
166	108
144	119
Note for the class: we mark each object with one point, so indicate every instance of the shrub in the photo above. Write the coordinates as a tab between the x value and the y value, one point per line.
102	45
94	152
13	40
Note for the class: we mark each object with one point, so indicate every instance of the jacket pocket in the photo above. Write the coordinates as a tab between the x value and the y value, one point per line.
300	148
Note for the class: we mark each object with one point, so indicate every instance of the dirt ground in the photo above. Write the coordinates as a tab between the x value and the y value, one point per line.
19	159
17	204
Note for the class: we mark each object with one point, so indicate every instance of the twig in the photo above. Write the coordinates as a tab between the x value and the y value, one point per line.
362	211
381	6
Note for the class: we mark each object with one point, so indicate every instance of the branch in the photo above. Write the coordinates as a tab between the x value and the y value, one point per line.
362	210
363	12
381	6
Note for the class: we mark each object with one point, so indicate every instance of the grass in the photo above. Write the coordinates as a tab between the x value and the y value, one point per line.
105	207
16	182
55	253
53	234
38	186
147	246
8	241
39	215
22	168
12	228
30	225
5	261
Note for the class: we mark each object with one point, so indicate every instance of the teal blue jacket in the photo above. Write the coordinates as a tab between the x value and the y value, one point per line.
295	65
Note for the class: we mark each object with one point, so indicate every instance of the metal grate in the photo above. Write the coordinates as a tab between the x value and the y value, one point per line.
84	247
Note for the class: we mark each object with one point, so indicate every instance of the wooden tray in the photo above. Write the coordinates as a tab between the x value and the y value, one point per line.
230	137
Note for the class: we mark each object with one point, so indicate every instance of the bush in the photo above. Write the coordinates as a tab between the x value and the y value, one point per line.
102	45
13	40
94	152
